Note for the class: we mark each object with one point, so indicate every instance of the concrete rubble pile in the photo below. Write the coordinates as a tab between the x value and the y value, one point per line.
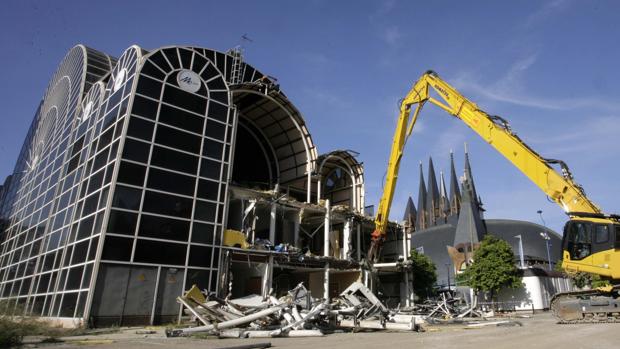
296	314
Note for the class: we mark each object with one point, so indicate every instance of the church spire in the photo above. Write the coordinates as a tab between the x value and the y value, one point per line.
469	177
444	202
410	214
422	219
432	199
455	194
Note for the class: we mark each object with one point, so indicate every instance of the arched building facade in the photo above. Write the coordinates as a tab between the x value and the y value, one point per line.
136	171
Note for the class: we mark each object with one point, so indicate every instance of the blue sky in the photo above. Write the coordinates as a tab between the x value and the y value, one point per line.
549	67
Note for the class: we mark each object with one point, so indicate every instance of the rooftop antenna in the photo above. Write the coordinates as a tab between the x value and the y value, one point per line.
245	37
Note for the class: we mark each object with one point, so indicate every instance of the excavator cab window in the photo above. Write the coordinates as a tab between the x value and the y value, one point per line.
617	240
579	240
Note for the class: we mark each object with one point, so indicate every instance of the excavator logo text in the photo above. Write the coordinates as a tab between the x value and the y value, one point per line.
442	91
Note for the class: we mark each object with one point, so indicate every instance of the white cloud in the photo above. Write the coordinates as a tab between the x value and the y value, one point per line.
509	89
391	35
545	11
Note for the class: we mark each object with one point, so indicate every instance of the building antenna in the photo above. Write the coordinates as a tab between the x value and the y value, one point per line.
246	38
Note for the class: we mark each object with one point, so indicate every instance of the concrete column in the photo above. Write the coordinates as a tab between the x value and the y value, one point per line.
318	191
326	282
272	223
267	278
405	250
309	186
296	224
359	241
326	229
346	236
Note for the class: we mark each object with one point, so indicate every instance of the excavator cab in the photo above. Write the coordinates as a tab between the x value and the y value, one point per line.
589	246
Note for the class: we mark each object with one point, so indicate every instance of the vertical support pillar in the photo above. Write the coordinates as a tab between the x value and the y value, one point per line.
359	241
309	186
272	223
346	236
407	287
326	228
326	231
326	283
318	190
296	224
405	251
267	278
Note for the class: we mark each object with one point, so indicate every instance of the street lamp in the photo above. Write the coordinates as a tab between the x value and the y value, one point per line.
546	237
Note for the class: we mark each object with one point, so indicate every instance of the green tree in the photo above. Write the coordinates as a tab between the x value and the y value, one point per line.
493	267
424	274
582	279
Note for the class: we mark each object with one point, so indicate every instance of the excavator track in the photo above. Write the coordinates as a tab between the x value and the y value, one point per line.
587	307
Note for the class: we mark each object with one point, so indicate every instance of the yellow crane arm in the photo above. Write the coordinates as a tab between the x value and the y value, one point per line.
494	130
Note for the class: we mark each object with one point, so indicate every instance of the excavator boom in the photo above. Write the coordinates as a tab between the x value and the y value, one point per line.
591	239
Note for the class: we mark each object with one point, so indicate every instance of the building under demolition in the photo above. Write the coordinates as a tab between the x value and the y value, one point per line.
143	175
448	226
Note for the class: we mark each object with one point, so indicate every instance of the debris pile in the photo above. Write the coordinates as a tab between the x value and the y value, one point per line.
296	314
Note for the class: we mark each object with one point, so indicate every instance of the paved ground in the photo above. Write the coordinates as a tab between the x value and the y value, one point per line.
540	331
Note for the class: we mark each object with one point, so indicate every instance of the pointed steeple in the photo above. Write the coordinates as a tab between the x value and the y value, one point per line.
455	194
469	177
410	214
432	199
444	202
469	228
422	220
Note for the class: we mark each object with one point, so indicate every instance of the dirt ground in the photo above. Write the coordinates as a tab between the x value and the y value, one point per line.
539	331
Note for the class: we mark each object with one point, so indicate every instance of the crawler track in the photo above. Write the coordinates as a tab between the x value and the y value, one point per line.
587	307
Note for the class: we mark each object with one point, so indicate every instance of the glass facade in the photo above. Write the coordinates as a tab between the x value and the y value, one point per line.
39	272
119	196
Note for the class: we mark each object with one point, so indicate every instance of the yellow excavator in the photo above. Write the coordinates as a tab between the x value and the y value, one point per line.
591	241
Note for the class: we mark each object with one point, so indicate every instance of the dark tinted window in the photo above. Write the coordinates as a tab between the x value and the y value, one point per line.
136	150
177	139
212	149
163	228
197	277
216	84
165	204
203	233
90	204
174	160
200	256
117	248
127	198
131	173
205	211
150	69
144	107
182	119
189	101
149	87
601	234
74	279
218	111
140	128
158	58
209	73
210	169
172	182
215	130
86	227
79	252
208	189
121	222
160	252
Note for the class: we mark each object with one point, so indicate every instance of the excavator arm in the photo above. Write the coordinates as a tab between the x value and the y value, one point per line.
496	131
